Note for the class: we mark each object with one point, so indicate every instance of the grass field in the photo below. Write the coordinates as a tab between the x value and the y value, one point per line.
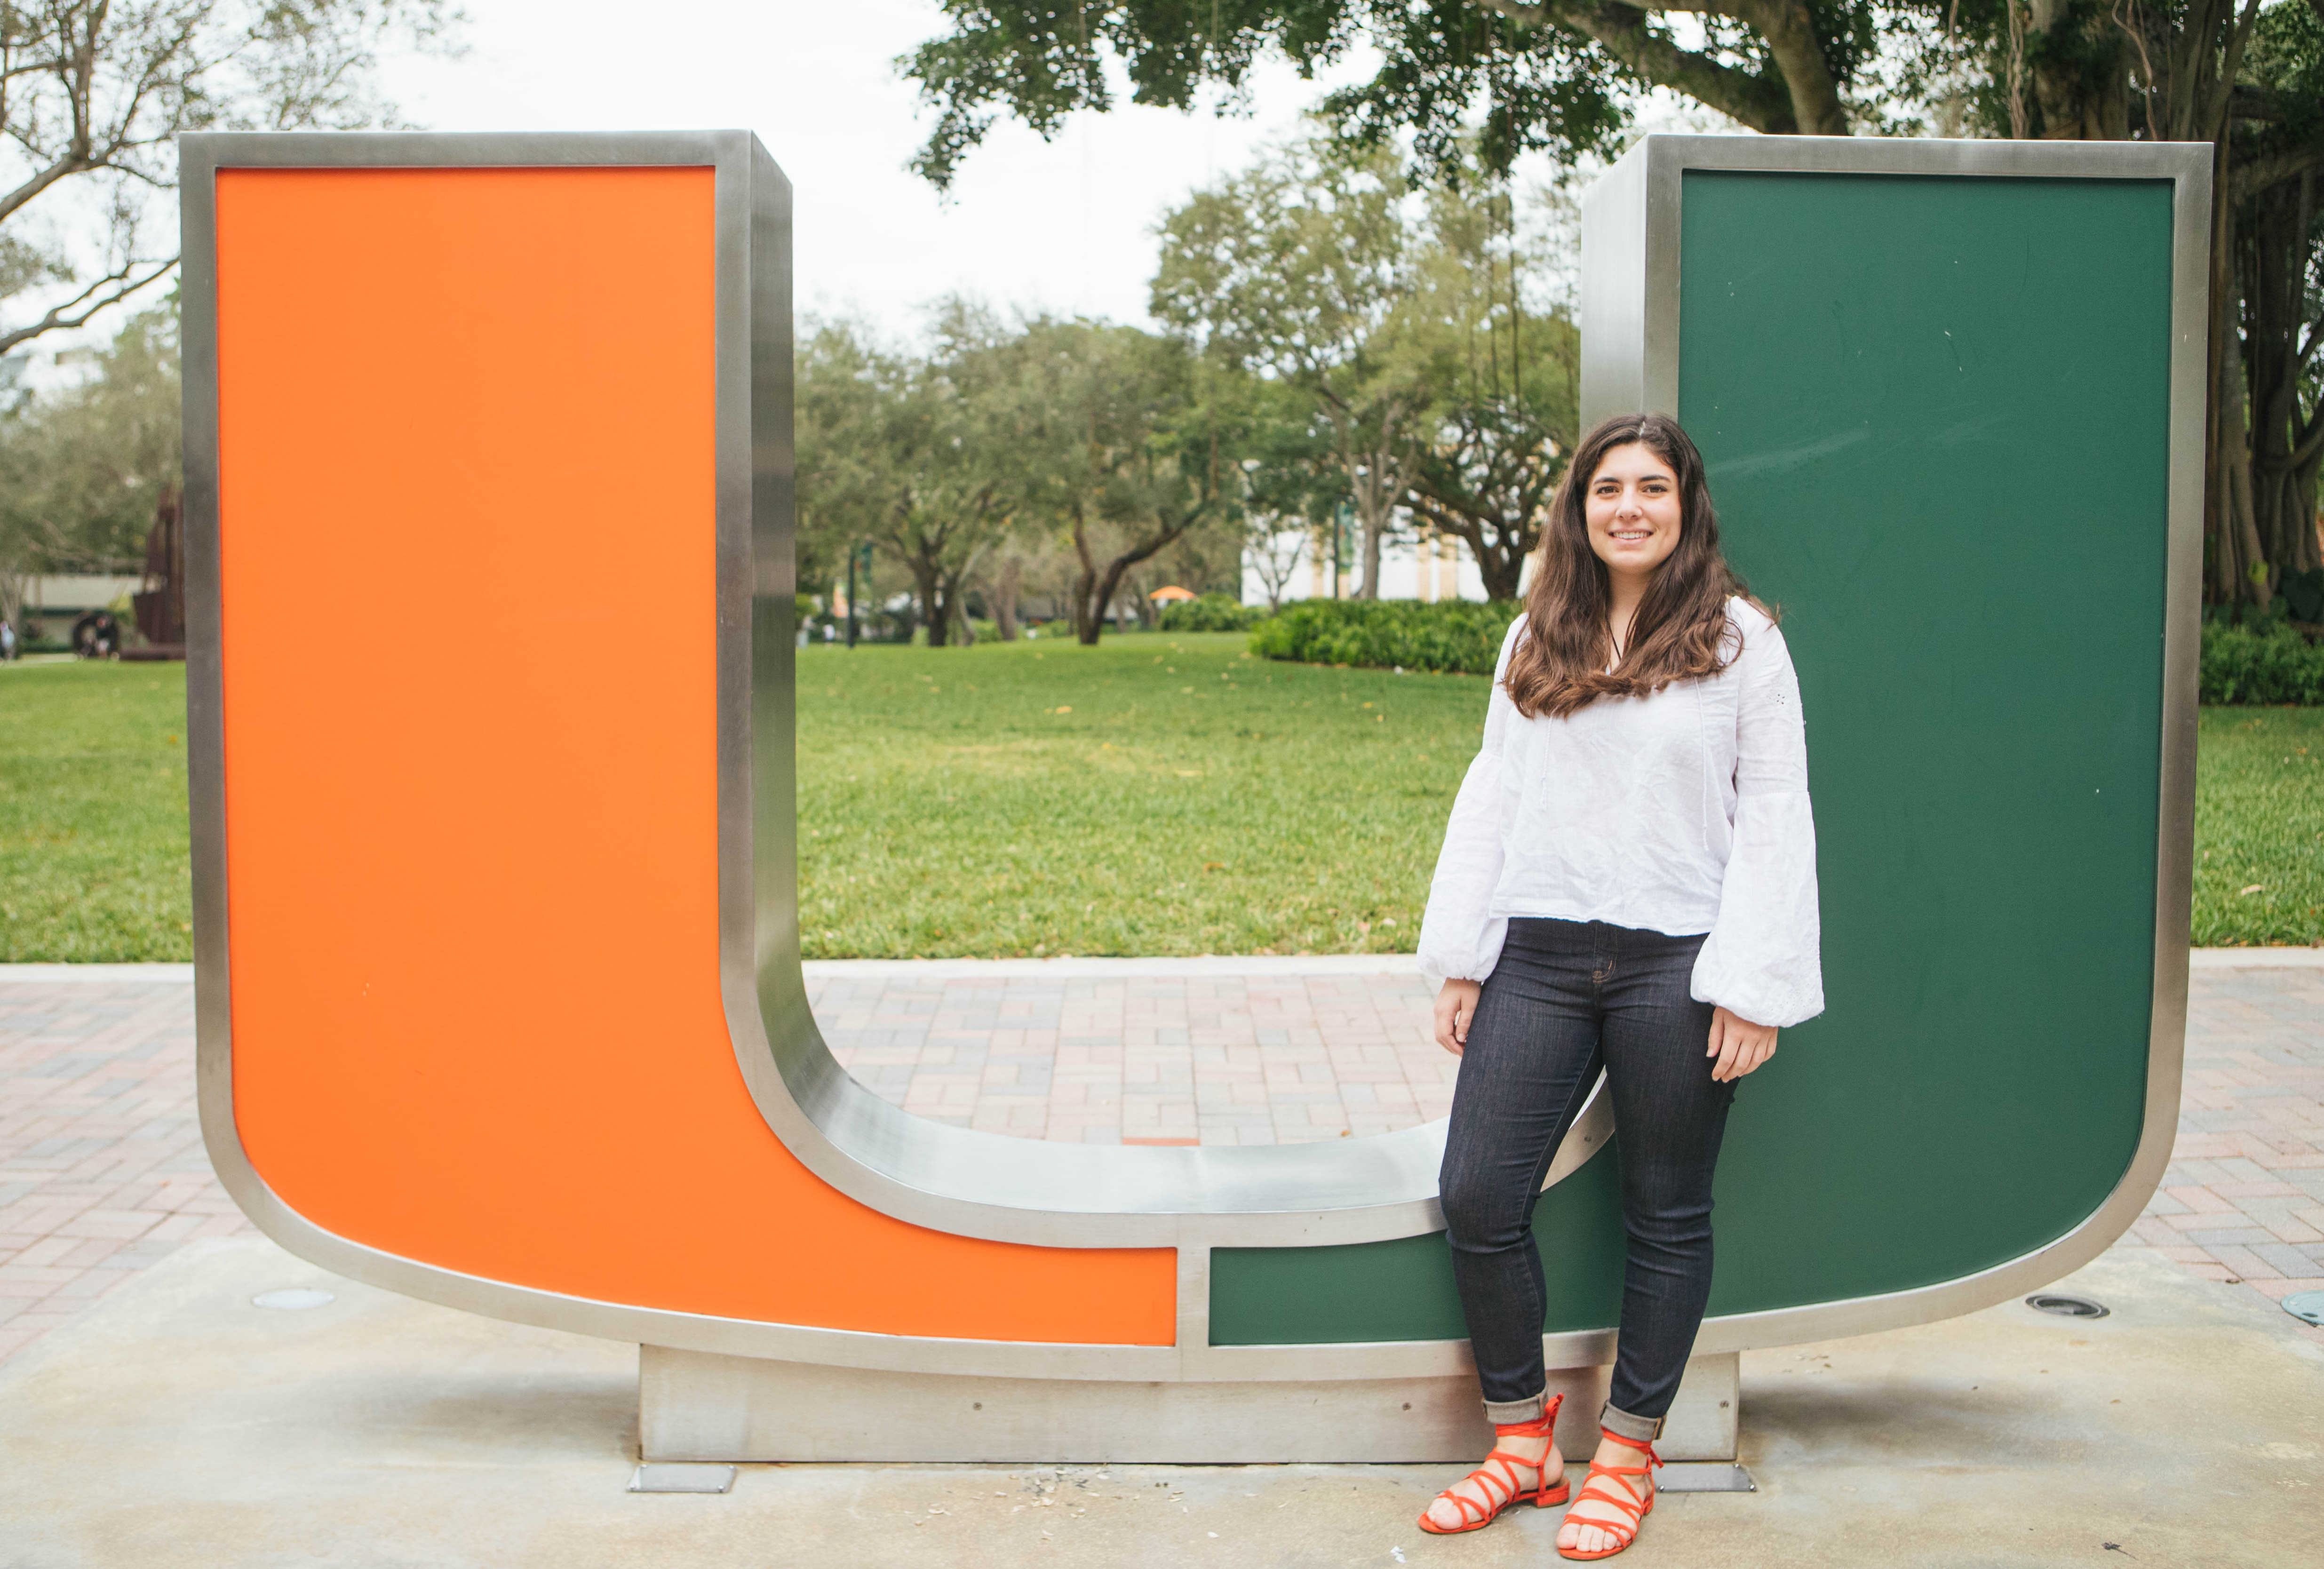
2259	827
1156	794
93	814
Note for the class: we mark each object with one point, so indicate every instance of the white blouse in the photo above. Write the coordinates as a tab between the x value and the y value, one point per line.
1681	812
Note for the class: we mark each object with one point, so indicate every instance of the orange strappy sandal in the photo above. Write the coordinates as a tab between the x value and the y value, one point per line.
1490	1481
1619	1496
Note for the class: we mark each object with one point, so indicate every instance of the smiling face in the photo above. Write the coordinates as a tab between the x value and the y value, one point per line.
1632	511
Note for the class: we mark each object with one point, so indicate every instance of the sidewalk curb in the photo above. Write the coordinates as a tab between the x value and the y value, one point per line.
1091	968
2256	959
1097	968
108	974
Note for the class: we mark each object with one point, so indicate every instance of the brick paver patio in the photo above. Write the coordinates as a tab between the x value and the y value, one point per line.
1266	1058
102	1170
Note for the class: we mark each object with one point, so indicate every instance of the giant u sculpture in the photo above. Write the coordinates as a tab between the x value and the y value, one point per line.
496	930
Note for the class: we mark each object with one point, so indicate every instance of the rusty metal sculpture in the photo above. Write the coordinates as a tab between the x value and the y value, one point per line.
161	606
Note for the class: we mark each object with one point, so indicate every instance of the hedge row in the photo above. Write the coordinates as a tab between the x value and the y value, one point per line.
1210	613
1450	635
2268	663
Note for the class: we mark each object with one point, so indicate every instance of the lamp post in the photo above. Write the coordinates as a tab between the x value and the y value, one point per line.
854	552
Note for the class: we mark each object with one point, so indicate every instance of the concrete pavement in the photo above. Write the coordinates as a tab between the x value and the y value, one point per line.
177	1423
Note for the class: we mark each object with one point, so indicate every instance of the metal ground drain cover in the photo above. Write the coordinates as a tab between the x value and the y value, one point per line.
681	1477
1704	1476
2307	1306
2065	1307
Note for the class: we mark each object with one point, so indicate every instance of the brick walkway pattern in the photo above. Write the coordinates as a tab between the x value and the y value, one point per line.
102	1171
1177	1059
2243	1199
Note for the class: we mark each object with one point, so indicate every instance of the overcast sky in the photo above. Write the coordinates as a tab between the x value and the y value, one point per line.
1067	225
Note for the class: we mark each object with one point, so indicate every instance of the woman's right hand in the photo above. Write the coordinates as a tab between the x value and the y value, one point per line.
1456	1004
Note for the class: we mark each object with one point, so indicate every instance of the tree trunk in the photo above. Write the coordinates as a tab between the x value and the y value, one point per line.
2241	565
1089	603
2285	444
1378	464
2081	60
1002	598
948	618
1790	32
1097	588
1503	570
927	588
1500	558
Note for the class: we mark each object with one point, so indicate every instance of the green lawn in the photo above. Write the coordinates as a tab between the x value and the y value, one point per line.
93	814
1156	794
2259	827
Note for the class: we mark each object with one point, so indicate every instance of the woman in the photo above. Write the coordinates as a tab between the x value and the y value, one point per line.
1628	883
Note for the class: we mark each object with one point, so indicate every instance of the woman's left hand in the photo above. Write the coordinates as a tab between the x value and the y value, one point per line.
1738	1044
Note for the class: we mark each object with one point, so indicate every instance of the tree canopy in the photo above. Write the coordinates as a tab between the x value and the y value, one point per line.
1482	82
1333	339
93	94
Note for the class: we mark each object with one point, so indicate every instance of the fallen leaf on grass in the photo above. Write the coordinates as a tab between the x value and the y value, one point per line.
2254	888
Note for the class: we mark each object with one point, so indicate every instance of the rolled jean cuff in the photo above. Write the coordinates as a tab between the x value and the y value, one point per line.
1621	1423
1509	1413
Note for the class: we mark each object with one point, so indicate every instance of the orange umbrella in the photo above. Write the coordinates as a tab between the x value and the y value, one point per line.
1172	592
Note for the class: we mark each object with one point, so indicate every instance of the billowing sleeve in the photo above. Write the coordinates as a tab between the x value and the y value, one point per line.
1460	938
1763	960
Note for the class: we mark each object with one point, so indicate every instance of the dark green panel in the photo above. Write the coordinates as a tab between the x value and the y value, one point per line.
1935	413
1403	1290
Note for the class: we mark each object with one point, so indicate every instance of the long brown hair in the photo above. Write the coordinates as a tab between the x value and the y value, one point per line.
1680	629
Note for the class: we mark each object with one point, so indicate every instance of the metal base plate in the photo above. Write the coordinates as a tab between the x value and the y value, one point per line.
697	1406
682	1478
1704	1476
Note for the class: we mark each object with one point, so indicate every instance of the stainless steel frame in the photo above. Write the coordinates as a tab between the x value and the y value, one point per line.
1017	1190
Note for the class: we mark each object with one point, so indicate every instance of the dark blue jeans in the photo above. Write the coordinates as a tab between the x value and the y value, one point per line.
1567	999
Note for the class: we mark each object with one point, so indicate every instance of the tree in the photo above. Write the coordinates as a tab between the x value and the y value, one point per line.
82	470
842	386
1133	441
1274	553
1507	376
92	93
1560	76
1565	76
916	453
1295	269
1293	485
2268	480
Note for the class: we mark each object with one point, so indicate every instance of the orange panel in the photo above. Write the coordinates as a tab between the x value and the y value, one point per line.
467	573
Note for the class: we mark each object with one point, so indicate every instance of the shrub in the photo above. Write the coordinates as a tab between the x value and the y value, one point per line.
1210	613
2270	662
1452	635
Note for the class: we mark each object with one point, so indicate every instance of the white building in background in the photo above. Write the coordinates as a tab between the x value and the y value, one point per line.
1432	568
